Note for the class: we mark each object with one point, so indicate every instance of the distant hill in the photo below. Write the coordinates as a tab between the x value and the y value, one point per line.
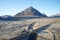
56	15
30	12
6	17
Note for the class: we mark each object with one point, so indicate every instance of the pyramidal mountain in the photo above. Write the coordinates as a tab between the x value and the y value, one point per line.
30	12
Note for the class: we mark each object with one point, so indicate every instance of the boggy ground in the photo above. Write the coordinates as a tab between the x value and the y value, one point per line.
32	29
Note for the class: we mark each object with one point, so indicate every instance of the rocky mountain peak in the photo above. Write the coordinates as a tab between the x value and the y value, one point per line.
30	7
30	12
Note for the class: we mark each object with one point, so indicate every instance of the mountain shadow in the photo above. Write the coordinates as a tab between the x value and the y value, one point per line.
31	26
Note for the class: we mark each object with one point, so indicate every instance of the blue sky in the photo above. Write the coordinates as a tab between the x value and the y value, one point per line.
12	7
